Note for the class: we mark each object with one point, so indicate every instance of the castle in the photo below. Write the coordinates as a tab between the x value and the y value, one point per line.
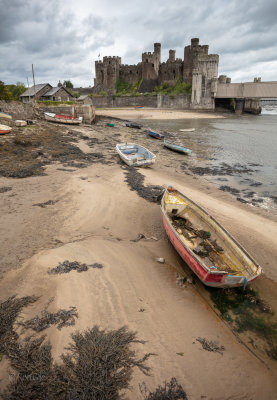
198	68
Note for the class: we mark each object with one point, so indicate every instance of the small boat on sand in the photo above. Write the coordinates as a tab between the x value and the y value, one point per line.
132	125
155	135
4	115
63	119
209	250
176	147
5	129
135	155
187	130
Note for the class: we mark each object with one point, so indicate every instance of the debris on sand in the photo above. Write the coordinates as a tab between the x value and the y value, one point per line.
210	345
5	189
67	266
169	391
60	318
135	180
46	203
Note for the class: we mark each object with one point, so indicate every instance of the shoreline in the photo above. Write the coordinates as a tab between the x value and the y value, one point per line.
90	215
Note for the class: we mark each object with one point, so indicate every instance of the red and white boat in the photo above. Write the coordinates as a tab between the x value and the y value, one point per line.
5	129
209	250
63	119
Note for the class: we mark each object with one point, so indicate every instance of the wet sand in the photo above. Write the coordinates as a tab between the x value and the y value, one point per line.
93	218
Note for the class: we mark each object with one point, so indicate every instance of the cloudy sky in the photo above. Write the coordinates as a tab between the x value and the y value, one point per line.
63	38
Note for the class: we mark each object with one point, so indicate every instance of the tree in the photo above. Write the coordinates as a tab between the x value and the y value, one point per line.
68	84
16	90
5	94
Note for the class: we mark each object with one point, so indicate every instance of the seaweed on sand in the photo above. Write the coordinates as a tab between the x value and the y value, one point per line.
9	311
169	391
246	311
67	266
98	364
135	181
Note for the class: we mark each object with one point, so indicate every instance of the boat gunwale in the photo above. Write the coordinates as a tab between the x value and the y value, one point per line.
217	272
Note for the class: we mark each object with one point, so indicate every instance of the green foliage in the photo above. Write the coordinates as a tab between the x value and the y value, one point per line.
76	94
180	87
16	90
68	84
135	86
121	86
5	94
246	311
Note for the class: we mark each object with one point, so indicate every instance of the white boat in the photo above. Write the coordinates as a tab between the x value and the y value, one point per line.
187	130
5	129
63	119
135	155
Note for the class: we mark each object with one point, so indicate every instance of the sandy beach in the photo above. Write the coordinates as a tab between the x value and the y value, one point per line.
153	113
85	211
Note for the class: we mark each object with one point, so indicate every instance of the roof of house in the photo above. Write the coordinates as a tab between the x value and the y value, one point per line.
54	90
82	97
31	91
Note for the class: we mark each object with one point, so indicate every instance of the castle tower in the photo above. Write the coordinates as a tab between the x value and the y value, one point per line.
157	56
107	72
172	55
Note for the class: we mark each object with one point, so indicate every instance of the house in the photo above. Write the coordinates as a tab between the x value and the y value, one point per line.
84	99
45	91
29	94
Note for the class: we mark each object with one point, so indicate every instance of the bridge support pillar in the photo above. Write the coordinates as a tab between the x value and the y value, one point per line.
239	106
252	106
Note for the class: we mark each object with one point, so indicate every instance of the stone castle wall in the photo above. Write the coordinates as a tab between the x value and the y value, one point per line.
198	67
153	101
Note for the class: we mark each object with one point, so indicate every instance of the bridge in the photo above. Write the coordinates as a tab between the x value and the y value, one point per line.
247	95
247	90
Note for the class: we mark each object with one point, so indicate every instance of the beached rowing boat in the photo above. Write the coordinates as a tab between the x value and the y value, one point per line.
209	250
133	125
176	147
187	130
63	119
4	115
155	135
5	129
135	155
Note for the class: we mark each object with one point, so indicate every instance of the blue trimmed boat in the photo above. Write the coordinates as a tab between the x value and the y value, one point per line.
155	135
175	147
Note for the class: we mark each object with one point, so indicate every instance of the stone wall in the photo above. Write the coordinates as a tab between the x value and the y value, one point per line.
17	109
76	110
155	101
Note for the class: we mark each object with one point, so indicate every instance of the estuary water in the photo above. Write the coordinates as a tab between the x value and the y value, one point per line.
237	153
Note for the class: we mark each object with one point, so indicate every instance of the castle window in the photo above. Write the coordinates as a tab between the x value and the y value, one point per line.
146	59
130	72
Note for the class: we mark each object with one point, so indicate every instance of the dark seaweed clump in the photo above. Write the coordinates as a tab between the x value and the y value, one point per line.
61	318
67	266
169	391
135	181
98	364
5	189
222	169
246	311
